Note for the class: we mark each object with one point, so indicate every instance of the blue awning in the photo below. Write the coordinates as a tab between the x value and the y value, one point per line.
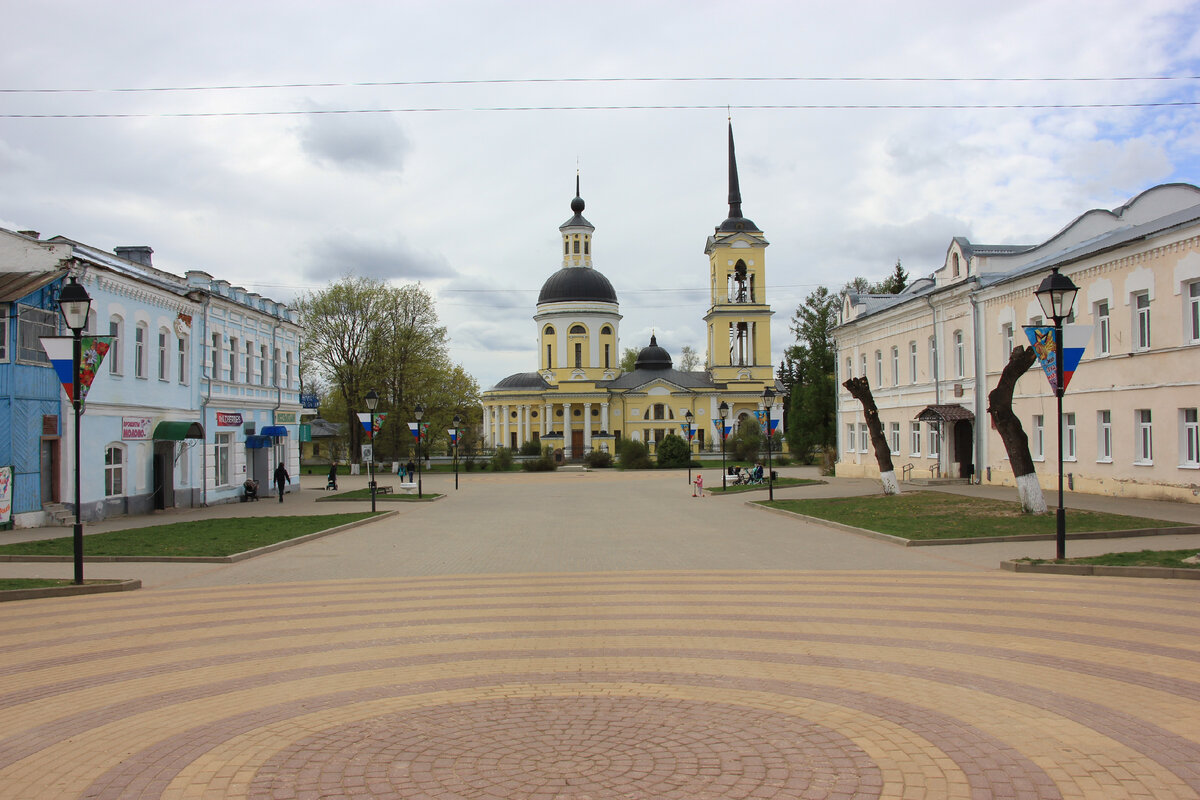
257	442
274	430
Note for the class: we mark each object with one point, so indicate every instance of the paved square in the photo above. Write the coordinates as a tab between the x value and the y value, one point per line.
930	676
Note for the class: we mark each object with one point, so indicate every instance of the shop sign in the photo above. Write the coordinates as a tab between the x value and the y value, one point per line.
135	428
228	419
285	418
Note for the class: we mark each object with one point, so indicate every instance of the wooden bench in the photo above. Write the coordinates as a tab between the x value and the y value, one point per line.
381	489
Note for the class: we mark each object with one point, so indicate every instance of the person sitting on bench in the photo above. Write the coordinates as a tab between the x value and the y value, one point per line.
251	487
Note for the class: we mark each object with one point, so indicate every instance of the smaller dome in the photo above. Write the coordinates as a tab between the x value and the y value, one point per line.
577	204
653	357
733	224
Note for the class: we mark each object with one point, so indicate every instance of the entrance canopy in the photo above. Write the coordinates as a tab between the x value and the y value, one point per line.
944	413
274	430
178	431
257	442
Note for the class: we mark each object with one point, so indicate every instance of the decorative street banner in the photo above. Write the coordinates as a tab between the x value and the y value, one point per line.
370	425
688	430
59	350
1075	341
774	425
727	428
419	430
453	435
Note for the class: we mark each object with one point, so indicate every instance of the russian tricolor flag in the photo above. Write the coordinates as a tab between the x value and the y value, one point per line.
1075	341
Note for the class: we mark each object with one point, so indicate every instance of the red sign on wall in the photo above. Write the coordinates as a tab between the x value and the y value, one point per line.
229	418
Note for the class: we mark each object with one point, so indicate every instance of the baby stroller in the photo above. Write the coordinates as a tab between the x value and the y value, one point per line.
331	484
251	487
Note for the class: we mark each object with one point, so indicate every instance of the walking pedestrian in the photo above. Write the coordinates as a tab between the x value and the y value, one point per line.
412	470
281	479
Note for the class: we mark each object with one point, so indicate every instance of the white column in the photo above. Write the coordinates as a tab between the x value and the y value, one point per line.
604	418
547	410
504	425
587	427
525	421
567	431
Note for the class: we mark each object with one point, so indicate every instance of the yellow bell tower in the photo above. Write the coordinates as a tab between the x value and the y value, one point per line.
738	318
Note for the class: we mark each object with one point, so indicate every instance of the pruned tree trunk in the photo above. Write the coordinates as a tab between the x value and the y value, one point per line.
860	390
1016	442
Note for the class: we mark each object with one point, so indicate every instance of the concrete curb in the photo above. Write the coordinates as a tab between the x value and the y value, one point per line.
383	498
126	585
1179	529
1102	571
233	559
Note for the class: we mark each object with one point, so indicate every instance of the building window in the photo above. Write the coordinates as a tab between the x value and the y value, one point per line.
575	247
139	350
1141	327
960	355
1104	436
32	325
221	453
262	366
607	355
933	354
549	353
578	355
955	268
164	361
895	431
864	365
249	362
4	334
1193	312
864	438
287	371
233	359
275	369
1068	423
216	357
1038	440
1006	334
114	470
1143	444
116	329
935	437
849	368
659	411
895	366
914	438
183	359
578	330
1189	447
878	368
1102	337
912	362
850	438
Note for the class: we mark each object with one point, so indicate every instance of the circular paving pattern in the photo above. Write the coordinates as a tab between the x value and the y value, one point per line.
632	686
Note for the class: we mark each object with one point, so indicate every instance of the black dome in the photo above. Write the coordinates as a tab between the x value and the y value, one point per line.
523	380
653	357
579	284
737	224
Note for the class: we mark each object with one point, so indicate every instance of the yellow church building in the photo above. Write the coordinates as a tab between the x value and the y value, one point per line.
579	399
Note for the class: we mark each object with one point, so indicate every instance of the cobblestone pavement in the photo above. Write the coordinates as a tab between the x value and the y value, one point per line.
714	684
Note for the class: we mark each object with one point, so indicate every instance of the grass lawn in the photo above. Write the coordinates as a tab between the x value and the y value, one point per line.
1142	558
7	584
216	537
365	494
780	483
938	515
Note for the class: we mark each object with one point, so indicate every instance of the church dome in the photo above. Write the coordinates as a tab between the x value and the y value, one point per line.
577	284
653	357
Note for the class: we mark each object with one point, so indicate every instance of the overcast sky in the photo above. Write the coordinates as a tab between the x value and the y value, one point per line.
468	200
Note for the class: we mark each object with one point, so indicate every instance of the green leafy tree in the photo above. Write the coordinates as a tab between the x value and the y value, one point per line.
629	359
746	442
812	404
674	451
894	283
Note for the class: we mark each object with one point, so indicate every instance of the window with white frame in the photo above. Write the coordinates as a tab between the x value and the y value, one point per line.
864	438
287	371
1141	321
164	361
139	350
32	325
3	333
895	366
1038	440
222	452
1006	336
933	369
1143	431
960	355
1102	328
233	359
851	440
912	362
849	369
1068	423
116	329
249	362
1189	435
1104	440
914	438
182	360
275	369
216	357
864	365
1035	321
878	368
935	437
114	470
262	366
895	432
1192	312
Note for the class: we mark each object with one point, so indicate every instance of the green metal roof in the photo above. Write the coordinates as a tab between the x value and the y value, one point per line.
178	431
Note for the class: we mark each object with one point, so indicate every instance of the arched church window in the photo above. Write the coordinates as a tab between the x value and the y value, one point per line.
549	330
606	331
578	330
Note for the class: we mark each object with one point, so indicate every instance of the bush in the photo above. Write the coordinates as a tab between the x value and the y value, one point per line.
782	461
544	463
634	455
746	441
598	459
530	448
674	451
502	460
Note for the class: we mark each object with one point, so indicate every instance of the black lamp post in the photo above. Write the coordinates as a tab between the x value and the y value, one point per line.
688	416
723	412
457	433
419	412
372	402
73	303
1057	296
768	400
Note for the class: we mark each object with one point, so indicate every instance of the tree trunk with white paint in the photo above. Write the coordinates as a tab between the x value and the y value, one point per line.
1016	442
860	389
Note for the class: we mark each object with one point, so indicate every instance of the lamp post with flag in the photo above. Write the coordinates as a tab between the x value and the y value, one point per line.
454	434
691	430
372	402
768	396
418	432
74	303
723	412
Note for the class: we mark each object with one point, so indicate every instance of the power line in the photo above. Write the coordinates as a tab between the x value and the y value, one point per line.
660	79
720	106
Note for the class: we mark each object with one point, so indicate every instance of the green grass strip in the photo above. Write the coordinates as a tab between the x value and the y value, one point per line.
780	483
211	537
1173	559
940	515
365	494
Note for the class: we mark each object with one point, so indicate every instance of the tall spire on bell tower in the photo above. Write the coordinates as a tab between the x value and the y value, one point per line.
577	234
735	191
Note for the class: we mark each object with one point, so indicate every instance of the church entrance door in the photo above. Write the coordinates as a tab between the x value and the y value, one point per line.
576	444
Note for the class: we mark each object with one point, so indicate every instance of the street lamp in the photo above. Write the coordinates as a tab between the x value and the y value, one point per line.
1057	296
723	412
457	433
688	416
73	303
768	400
372	402
419	412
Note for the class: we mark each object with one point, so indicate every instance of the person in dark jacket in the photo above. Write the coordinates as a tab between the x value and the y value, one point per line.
281	479
332	482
